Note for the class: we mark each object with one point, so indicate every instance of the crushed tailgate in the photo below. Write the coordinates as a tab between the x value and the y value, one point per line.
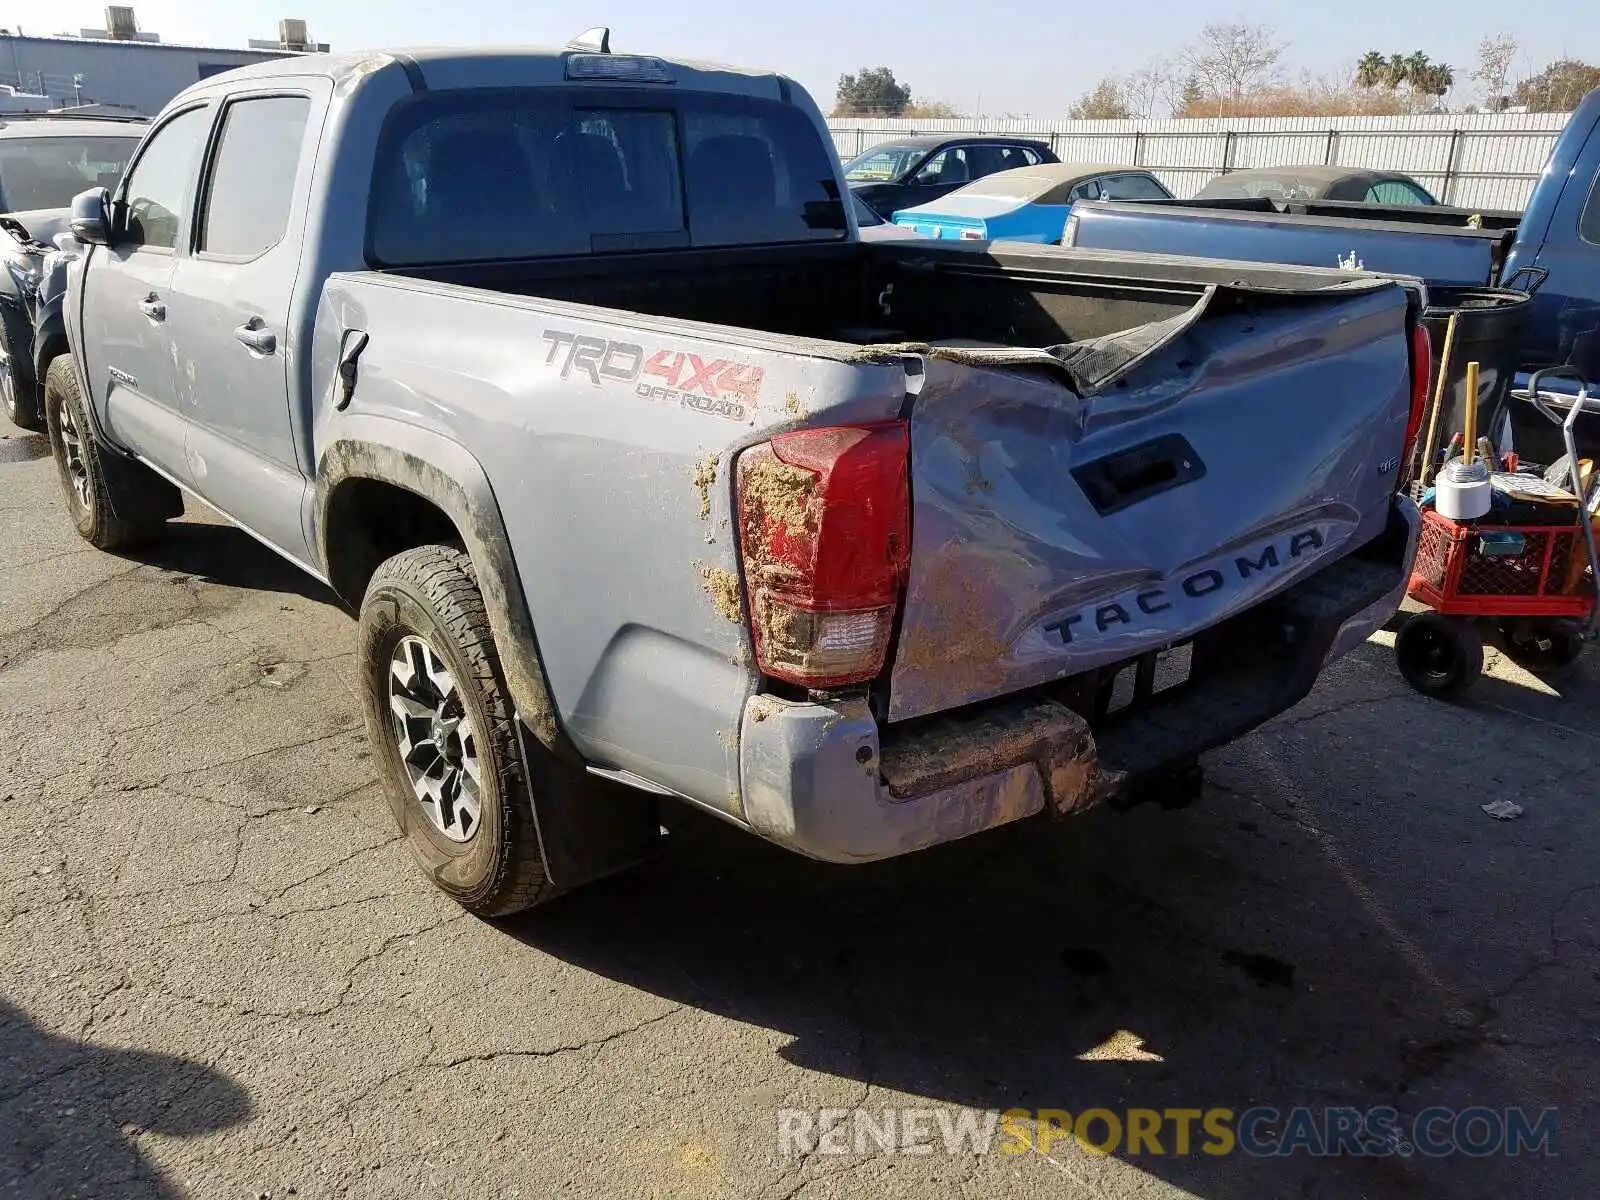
1055	532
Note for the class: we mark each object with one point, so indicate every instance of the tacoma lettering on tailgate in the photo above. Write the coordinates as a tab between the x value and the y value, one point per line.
716	386
1134	608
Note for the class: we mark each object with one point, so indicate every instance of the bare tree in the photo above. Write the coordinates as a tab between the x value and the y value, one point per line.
1230	61
1152	89
1495	56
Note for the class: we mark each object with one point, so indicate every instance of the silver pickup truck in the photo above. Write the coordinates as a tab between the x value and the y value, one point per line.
648	478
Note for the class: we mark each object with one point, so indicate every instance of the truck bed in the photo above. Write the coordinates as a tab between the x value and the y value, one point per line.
913	292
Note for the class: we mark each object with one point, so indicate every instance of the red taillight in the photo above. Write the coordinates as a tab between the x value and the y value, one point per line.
1421	385
825	527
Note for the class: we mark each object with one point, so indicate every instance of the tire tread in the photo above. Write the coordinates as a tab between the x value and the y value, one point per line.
443	575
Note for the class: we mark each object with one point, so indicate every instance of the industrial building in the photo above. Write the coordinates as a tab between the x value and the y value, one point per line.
121	66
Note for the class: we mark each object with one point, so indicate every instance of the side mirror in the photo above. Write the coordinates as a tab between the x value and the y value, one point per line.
91	217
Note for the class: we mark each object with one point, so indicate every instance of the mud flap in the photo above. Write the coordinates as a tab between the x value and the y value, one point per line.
588	827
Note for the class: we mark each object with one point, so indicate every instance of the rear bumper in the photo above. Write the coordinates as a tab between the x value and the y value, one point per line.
823	780
827	781
1265	660
1362	625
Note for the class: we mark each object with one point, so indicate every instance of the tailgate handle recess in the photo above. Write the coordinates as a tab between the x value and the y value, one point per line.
1121	480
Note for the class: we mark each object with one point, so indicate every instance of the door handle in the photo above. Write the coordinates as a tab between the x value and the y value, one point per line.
152	307
255	334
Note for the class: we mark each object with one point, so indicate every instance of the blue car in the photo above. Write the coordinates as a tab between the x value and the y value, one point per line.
1029	204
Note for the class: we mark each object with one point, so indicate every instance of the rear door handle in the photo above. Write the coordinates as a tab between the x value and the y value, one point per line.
152	307
255	334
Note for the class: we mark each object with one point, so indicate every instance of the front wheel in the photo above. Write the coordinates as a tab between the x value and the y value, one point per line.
18	384
443	730
1439	655
115	502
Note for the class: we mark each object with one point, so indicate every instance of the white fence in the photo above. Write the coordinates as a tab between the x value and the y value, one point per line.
1481	160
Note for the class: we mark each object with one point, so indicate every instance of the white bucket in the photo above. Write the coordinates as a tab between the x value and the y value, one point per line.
1462	492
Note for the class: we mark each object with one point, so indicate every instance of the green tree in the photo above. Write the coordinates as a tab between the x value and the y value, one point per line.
1415	71
1372	71
1558	87
874	92
1105	103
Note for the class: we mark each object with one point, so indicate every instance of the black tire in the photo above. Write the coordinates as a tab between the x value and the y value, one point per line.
430	593
115	502
20	388
1540	645
1438	655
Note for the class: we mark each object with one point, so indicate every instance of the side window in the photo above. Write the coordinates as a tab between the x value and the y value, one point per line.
157	188
1395	191
1089	189
252	177
947	166
1013	157
984	160
1132	187
1589	223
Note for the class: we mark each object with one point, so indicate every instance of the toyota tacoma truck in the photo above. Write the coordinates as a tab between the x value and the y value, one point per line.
649	479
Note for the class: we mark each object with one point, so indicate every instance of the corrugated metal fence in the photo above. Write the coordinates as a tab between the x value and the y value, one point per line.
1480	160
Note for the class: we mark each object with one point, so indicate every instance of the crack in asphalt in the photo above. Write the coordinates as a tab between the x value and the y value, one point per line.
553	1051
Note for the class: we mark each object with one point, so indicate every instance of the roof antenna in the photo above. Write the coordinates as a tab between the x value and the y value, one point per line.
593	41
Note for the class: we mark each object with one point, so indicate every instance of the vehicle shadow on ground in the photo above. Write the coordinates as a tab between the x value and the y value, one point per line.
1216	957
70	1113
22	447
227	555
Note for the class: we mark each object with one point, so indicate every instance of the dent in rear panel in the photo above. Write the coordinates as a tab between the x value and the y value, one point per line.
1017	580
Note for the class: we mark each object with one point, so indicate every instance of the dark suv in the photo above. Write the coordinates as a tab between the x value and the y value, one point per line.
914	170
45	160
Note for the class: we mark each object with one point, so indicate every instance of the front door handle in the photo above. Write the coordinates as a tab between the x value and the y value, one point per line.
152	307
255	334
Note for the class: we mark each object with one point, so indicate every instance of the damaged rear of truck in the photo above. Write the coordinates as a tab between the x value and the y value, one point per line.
1057	576
648	478
992	531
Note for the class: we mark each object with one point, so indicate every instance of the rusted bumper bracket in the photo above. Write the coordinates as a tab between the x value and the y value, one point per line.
943	751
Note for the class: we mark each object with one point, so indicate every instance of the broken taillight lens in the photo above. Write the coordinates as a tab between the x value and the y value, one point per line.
1421	385
825	529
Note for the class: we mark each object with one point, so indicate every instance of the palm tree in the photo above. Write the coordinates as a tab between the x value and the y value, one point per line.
1417	65
1438	80
1372	70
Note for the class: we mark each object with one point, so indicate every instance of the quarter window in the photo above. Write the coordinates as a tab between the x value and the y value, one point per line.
252	181
1395	191
1132	187
158	186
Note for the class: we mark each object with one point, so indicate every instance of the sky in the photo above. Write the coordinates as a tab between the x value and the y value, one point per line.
1030	57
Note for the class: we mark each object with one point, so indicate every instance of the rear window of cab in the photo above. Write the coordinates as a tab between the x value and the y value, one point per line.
481	175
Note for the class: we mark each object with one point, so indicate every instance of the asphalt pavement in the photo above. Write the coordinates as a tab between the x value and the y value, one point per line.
220	975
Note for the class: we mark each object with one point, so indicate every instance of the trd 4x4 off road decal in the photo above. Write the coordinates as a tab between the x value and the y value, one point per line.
709	385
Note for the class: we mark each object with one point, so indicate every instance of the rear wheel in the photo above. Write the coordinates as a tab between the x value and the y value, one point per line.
1540	645
115	502
18	387
443	729
1439	655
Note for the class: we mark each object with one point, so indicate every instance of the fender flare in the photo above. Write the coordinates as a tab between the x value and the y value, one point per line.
444	472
